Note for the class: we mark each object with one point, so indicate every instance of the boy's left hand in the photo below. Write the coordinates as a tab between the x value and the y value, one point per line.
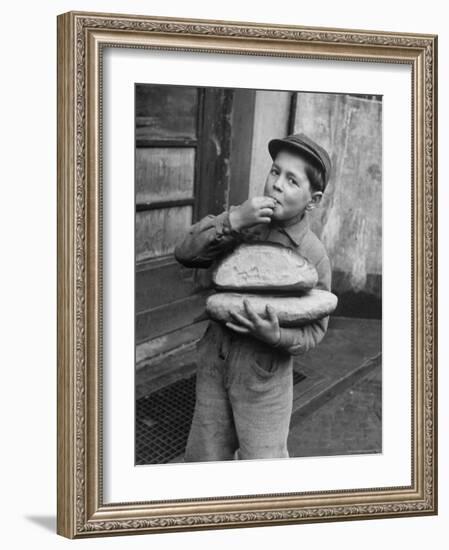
266	329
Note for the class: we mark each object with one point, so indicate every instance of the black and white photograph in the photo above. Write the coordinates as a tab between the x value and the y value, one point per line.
247	285
258	274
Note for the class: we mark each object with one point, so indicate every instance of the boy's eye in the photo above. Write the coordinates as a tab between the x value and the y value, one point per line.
293	181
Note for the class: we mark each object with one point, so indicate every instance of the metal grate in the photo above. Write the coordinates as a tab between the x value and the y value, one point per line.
163	421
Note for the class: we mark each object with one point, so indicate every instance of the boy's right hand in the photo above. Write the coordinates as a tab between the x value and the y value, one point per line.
251	212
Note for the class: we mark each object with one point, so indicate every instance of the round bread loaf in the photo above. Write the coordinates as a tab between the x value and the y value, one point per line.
264	267
291	311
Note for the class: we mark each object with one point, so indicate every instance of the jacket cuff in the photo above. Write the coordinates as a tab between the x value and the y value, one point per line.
223	225
286	342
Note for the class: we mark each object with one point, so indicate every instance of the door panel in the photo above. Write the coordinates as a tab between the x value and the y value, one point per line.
157	231
182	174
166	112
169	317
154	283
164	174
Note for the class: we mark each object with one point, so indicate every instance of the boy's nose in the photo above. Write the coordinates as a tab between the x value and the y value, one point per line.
278	184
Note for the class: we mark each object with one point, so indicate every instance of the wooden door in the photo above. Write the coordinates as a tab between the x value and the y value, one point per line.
181	174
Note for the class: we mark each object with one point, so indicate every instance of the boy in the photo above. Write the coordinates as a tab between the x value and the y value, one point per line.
244	389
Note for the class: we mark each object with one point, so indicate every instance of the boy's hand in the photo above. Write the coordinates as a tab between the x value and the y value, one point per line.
251	212
267	329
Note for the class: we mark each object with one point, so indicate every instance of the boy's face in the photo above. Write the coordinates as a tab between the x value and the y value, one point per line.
288	184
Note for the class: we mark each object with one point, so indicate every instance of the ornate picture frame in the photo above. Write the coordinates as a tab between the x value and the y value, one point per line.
82	40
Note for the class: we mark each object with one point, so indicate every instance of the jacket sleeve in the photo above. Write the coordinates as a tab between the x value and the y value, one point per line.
299	340
206	240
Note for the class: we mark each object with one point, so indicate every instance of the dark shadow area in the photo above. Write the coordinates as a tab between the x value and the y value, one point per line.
366	303
46	522
351	303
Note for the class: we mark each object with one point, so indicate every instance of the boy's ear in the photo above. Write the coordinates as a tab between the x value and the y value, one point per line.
315	200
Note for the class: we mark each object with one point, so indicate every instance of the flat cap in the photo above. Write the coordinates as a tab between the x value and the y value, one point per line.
307	147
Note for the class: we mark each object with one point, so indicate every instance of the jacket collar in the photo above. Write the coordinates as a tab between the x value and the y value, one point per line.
295	228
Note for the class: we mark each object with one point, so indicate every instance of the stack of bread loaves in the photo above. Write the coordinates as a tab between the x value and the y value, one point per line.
269	274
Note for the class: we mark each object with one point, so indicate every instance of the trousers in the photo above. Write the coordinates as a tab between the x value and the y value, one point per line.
244	397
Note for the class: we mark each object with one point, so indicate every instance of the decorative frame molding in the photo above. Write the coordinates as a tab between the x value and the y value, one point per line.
81	37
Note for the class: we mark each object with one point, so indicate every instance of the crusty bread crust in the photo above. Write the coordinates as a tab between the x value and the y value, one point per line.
291	311
265	267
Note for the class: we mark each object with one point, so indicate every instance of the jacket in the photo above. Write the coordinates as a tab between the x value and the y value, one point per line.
212	237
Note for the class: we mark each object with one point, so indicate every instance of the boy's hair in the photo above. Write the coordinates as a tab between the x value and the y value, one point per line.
313	172
315	176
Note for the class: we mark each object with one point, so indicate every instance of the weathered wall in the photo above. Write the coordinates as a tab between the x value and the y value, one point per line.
270	120
349	219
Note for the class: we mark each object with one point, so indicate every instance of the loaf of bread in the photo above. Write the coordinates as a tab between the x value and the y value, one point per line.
291	311
267	267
